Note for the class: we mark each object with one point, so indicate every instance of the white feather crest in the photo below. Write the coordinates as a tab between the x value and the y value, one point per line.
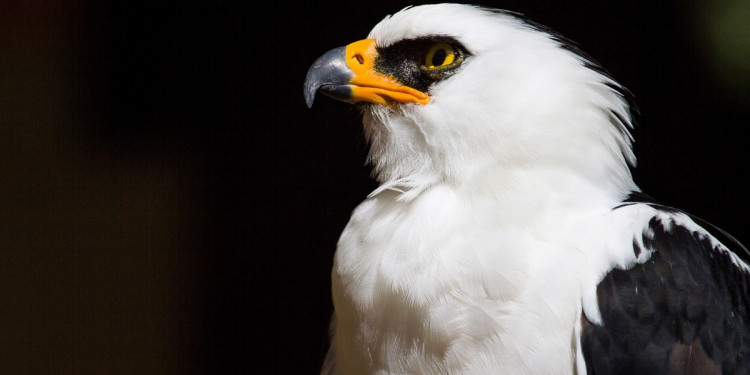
520	100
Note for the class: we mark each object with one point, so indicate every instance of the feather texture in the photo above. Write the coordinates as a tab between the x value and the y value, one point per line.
501	237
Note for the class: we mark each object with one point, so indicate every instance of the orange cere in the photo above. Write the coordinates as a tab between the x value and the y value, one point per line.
371	86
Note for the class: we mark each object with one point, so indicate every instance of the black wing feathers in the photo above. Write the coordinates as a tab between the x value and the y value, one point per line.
684	311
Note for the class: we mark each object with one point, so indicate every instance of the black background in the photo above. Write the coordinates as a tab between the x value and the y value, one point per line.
168	205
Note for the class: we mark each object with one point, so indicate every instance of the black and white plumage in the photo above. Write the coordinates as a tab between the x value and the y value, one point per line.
507	234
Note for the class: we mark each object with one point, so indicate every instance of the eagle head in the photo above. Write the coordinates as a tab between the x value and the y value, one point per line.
455	93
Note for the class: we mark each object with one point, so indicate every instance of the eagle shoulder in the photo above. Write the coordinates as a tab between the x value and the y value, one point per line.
682	311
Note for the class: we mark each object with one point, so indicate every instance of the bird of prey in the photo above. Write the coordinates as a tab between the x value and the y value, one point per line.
507	235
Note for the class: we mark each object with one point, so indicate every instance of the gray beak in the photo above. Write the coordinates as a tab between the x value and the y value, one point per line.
330	75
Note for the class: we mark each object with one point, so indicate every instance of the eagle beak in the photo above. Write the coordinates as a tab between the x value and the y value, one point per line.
349	74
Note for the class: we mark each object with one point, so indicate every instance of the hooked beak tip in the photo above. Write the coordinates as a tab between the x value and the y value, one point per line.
329	69
310	95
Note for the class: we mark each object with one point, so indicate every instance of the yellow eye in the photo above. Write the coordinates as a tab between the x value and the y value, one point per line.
439	56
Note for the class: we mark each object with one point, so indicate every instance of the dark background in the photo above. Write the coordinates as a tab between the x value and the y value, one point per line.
168	205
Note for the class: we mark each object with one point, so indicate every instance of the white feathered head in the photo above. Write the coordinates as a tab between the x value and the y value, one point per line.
451	93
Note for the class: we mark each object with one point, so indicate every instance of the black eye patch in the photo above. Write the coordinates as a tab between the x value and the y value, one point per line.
404	60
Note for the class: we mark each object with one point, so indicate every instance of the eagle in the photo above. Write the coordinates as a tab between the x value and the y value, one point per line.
506	235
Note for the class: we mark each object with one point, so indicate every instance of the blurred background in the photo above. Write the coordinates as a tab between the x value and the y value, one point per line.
168	205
